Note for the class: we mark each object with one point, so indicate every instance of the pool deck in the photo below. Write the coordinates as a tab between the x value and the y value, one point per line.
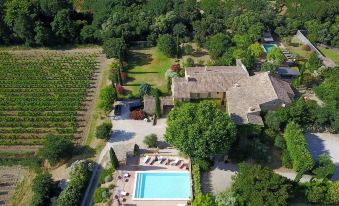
136	164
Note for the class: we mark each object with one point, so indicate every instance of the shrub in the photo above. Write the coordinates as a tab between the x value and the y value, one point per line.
55	148
105	173
108	178
120	89
305	47
72	194
98	195
137	114
256	185
226	198
151	140
315	192
42	189
286	159
107	97
175	67
189	62
145	89
136	151
204	200
324	167
114	159
280	142
196	180
297	148
188	49
103	130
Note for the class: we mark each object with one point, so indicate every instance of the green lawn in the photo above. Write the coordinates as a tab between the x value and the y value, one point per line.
330	53
147	65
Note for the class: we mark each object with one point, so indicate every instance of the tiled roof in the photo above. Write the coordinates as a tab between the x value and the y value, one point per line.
206	79
250	95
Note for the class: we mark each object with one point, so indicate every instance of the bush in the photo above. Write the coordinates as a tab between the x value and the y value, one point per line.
151	140
286	159
107	97
42	189
103	130
108	178
305	47
204	200
196	180
280	142
297	148
324	167
105	173
189	62
166	44
324	192
188	49
98	195
56	148
145	89
76	187
137	114
226	198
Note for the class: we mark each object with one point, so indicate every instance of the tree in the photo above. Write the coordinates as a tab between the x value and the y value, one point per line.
297	148
204	200
269	67
324	167
276	56
136	150
56	148
313	62
107	97
256	49
115	48
42	189
51	7
151	140
63	26
145	89
226	198
200	130
217	44
249	61
166	44
103	130
114	159
256	185
179	30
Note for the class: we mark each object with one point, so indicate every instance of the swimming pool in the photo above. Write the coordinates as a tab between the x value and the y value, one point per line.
162	186
268	47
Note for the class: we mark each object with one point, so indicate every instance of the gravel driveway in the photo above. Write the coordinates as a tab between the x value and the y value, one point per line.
127	132
319	143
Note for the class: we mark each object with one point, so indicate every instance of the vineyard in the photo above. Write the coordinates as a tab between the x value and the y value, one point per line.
42	93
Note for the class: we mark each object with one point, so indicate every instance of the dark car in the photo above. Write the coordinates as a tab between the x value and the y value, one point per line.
117	109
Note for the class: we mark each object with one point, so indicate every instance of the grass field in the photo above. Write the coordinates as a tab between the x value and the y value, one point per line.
147	65
43	92
330	53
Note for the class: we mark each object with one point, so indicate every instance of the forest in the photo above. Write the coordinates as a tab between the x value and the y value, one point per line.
59	22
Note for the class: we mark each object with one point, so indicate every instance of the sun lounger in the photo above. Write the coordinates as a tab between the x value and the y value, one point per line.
176	161
147	158
181	205
182	166
161	159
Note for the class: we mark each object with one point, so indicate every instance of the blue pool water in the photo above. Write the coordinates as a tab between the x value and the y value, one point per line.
268	47
162	185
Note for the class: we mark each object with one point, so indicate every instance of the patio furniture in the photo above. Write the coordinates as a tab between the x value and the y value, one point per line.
147	158
176	161
161	159
182	166
122	192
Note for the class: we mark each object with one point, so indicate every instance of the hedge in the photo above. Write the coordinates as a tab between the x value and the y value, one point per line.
196	180
297	148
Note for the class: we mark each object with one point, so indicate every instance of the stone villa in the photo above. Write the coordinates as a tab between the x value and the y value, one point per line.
244	96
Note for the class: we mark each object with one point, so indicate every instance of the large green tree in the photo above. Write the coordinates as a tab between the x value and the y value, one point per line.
115	48
42	189
63	26
166	44
218	44
256	185
107	97
200	130
56	148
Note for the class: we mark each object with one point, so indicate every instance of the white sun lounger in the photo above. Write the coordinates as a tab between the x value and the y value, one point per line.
176	161
146	159
121	192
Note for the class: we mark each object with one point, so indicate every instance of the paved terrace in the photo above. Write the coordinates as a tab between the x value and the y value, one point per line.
135	164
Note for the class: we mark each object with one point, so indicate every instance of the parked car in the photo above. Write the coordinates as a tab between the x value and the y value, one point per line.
117	109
